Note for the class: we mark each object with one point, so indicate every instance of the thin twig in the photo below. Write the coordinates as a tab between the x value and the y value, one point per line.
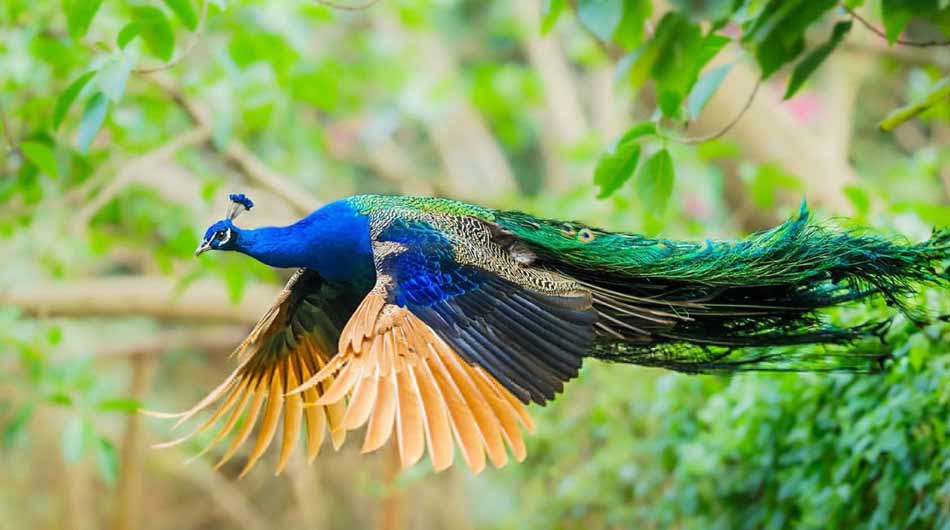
920	44
195	37
345	7
727	128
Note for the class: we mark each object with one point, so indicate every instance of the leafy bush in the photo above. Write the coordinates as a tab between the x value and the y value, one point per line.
752	451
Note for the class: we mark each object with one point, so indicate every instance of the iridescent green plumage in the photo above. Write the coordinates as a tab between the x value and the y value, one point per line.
721	305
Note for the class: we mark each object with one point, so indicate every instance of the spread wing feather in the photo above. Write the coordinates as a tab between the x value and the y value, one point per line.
293	341
405	381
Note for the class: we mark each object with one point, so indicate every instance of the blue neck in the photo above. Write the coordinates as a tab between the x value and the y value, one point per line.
333	241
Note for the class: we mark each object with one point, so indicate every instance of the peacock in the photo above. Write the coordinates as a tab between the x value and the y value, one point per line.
436	322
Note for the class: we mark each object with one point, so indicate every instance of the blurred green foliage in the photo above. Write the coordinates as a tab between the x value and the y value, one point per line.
753	451
625	447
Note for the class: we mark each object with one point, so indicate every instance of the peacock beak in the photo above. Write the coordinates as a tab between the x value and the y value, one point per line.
202	248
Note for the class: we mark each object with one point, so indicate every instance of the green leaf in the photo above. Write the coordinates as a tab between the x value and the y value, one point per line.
130	405
705	88
66	99
127	33
235	281
896	14
54	335
601	17
777	34
617	164
107	460
813	60
655	182
79	16
92	119
674	57
638	65
113	77
768	181
42	157
629	33
940	92
73	440
550	12
858	197
155	29
15	426
185	12
60	398
701	10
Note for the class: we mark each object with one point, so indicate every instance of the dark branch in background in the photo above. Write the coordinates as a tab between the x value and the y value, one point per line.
920	44
195	37
727	128
345	7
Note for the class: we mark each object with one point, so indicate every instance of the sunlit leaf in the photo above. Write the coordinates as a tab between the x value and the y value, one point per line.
130	405
113	77
92	119
655	182
550	12
704	88
617	164
859	198
155	29
66	99
636	13
79	16
42	156
185	12
127	34
769	180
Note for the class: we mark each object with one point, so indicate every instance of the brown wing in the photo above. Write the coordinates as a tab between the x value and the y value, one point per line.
294	340
403	379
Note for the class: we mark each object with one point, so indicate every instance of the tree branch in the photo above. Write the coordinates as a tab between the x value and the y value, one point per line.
143	295
221	338
242	158
728	127
919	44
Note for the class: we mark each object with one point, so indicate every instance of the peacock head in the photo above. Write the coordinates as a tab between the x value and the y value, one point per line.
223	235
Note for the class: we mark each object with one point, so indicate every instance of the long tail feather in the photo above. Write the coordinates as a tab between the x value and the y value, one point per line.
753	304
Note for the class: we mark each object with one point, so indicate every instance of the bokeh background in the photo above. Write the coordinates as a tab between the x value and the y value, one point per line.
126	123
